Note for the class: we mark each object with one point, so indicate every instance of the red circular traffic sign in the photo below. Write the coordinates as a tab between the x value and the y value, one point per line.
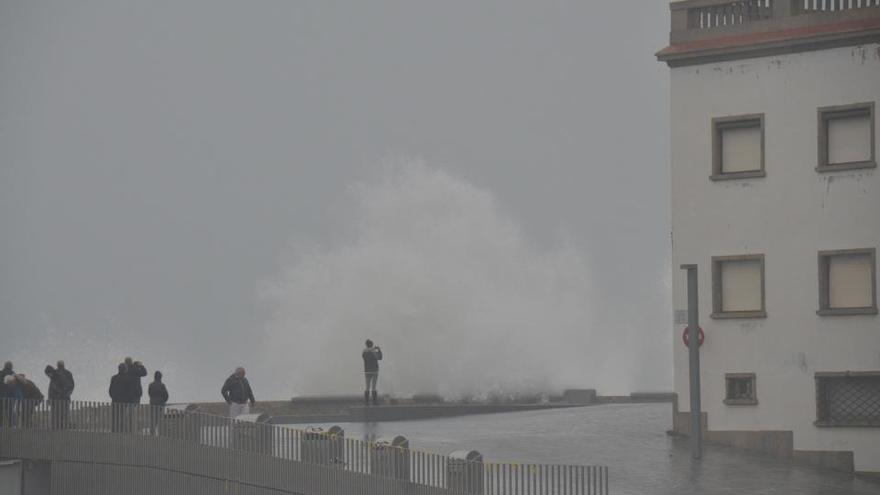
686	336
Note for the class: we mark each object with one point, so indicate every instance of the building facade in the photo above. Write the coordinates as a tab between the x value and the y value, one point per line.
776	199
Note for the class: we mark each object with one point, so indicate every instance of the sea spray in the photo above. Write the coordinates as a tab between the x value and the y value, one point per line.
437	273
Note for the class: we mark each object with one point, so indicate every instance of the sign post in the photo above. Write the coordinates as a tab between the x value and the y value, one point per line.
694	342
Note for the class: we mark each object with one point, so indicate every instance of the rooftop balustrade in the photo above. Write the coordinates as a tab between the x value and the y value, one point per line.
704	30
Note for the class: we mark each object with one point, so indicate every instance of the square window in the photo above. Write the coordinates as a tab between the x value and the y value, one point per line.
846	137
847	282
738	286
738	147
740	389
848	399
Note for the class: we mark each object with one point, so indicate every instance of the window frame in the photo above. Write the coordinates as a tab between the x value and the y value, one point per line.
751	401
826	114
824	422
719	125
718	312
825	308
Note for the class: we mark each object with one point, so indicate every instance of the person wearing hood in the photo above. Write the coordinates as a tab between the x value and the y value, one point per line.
158	398
60	388
237	393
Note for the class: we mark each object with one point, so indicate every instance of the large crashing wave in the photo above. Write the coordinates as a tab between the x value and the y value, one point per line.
462	304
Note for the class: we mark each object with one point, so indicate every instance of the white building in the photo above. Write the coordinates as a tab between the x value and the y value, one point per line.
776	198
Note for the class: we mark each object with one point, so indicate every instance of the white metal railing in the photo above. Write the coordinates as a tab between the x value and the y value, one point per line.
729	14
837	5
98	448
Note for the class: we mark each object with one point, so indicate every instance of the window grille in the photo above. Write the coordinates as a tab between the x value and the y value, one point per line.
848	399
740	389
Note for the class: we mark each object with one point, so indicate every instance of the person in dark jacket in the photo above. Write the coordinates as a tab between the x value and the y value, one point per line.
68	378
7	370
121	395
31	396
60	388
4	400
12	391
6	395
137	371
372	355
237	392
158	398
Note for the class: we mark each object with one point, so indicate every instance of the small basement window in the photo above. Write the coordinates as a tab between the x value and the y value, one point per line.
738	147
738	286
846	137
740	389
848	399
847	282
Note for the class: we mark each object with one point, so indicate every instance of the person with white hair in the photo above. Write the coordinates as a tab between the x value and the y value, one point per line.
237	393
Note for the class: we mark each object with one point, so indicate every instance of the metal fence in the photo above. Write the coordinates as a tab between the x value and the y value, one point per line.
98	448
729	13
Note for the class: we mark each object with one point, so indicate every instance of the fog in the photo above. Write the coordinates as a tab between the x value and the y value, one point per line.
481	187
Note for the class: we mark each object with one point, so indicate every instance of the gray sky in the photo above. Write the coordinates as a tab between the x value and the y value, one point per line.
158	159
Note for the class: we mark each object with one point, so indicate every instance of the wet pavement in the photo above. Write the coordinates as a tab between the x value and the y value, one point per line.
629	438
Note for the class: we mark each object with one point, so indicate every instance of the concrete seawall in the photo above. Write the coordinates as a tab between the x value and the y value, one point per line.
347	409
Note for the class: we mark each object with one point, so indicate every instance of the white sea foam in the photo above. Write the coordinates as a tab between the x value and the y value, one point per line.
462	304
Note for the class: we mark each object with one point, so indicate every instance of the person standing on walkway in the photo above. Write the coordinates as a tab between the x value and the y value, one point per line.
13	400
237	393
372	355
137	370
6	395
60	388
158	398
121	395
32	397
7	370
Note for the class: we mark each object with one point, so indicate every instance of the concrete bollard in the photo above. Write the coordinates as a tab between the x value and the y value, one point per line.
253	433
181	421
464	472
389	458
325	447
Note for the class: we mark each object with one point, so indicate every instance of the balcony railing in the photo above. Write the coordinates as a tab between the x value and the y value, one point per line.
714	30
836	5
699	19
729	14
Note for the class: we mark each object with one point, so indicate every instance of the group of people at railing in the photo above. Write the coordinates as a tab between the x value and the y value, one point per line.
20	395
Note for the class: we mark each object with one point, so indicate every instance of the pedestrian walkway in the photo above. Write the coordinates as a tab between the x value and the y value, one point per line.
629	437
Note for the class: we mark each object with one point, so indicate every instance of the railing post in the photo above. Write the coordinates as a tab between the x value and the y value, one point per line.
680	17
786	8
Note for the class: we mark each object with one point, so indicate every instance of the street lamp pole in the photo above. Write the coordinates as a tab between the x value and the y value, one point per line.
694	361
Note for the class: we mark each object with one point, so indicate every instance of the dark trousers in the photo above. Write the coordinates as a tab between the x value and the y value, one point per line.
156	415
27	413
121	417
60	413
